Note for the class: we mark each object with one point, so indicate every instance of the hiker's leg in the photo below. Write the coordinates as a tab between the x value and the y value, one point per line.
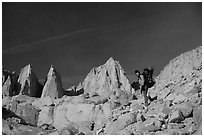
145	95
141	89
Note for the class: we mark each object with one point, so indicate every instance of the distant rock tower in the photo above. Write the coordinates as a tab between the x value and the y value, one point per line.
106	78
53	84
29	84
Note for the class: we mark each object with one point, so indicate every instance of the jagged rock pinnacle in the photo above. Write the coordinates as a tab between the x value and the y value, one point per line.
106	78
28	81
53	85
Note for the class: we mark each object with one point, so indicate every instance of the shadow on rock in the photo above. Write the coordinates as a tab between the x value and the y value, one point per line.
74	92
6	114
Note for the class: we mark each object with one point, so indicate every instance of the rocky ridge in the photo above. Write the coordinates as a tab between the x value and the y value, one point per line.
103	103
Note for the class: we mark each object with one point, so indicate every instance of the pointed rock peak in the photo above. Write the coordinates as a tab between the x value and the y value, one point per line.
28	81
106	78
110	60
52	67
7	87
28	66
53	84
52	71
27	69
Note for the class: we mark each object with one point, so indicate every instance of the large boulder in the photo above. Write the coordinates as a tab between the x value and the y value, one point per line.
28	81
53	85
101	115
106	78
45	116
122	122
27	113
176	117
197	114
45	101
67	113
185	108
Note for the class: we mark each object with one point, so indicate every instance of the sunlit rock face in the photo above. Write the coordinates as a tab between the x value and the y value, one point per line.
28	81
101	81
180	76
53	85
7	87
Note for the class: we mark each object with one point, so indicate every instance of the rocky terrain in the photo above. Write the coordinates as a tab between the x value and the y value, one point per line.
105	103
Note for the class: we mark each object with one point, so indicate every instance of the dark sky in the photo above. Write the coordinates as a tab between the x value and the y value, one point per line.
75	37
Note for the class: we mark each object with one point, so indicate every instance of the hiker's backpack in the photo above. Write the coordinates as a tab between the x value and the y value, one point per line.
148	79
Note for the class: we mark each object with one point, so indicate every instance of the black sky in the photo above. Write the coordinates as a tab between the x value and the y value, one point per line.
75	37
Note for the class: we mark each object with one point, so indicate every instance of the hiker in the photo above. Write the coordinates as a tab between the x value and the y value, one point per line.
148	76
140	79
146	81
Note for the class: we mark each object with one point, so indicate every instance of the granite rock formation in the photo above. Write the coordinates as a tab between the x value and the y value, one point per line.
103	105
28	81
101	81
53	85
9	83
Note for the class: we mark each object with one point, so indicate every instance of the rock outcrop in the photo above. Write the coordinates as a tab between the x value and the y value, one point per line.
101	81
7	88
28	81
103	103
181	75
10	85
53	85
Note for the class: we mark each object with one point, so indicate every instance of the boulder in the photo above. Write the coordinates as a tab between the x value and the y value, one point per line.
68	112
79	112
197	114
140	117
27	113
23	99
7	128
122	122
27	130
6	100
179	99
29	84
151	128
166	111
53	85
171	97
70	129
185	108
124	132
85	126
101	115
60	121
121	97
46	115
176	117
44	101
